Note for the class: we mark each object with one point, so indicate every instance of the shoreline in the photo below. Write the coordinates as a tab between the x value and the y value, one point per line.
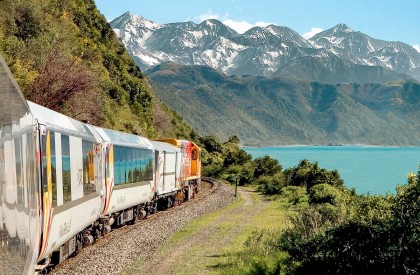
332	146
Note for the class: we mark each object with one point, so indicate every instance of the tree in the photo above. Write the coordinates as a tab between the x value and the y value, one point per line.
234	139
60	78
266	166
211	144
309	174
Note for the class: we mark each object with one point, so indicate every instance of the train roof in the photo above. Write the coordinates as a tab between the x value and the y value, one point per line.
123	139
177	142
163	146
59	122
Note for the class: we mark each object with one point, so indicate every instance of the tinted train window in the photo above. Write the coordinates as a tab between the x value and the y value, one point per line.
117	165
88	168
132	165
129	165
123	170
194	154
148	157
65	154
53	170
53	166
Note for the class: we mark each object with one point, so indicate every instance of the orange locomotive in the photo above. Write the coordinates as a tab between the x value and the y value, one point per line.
190	176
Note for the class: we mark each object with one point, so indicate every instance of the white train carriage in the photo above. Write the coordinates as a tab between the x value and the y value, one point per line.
71	199
167	173
19	175
129	180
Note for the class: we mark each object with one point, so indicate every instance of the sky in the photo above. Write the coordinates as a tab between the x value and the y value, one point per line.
390	20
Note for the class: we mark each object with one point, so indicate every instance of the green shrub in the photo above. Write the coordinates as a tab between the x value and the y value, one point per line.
270	185
295	194
324	193
309	174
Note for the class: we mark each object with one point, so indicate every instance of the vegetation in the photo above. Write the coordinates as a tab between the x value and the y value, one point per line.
65	56
332	229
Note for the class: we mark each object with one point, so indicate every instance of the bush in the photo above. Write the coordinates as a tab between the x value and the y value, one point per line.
324	193
266	166
309	174
270	185
295	194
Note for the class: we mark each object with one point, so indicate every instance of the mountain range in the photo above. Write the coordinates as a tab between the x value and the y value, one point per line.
336	55
282	111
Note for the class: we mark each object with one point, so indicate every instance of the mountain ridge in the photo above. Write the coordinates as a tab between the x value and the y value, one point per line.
280	111
264	50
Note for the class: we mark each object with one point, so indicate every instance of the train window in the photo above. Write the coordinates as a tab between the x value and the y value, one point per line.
194	154
45	160
88	168
65	154
117	164
132	165
53	170
136	165
123	165
148	164
128	165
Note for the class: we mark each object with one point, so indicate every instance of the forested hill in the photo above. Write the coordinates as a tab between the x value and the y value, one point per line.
65	56
275	111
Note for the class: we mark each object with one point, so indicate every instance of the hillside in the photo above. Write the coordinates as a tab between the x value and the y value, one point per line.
65	56
275	111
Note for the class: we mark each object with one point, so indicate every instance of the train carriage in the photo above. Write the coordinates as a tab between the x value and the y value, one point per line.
19	180
129	182
71	199
167	173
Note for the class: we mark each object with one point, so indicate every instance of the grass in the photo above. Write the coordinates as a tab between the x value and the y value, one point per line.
252	250
238	239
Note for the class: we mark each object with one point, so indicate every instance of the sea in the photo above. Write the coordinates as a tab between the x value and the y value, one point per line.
374	170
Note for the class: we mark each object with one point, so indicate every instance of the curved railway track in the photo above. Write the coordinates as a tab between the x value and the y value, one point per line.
119	250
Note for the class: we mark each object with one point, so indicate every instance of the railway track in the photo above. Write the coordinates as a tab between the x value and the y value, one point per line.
117	251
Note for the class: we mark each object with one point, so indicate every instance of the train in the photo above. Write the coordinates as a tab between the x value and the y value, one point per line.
65	183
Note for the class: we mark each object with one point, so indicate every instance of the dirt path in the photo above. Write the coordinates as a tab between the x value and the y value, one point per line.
192	253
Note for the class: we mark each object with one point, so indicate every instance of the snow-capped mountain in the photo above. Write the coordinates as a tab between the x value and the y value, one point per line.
396	56
267	51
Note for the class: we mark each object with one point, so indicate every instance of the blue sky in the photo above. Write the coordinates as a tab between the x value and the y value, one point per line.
390	20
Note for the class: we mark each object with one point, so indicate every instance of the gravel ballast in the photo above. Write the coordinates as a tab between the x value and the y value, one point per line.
119	250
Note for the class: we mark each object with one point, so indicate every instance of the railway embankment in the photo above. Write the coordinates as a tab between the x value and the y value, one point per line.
123	248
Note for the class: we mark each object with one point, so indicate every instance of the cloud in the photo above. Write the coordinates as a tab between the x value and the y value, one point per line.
311	33
239	26
205	16
243	26
417	47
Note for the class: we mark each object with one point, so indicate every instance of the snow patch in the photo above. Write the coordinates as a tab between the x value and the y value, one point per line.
197	34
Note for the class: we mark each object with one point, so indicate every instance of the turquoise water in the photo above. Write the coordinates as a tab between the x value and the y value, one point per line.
369	169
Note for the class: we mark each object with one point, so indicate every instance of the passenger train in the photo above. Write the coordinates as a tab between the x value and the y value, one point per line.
65	183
